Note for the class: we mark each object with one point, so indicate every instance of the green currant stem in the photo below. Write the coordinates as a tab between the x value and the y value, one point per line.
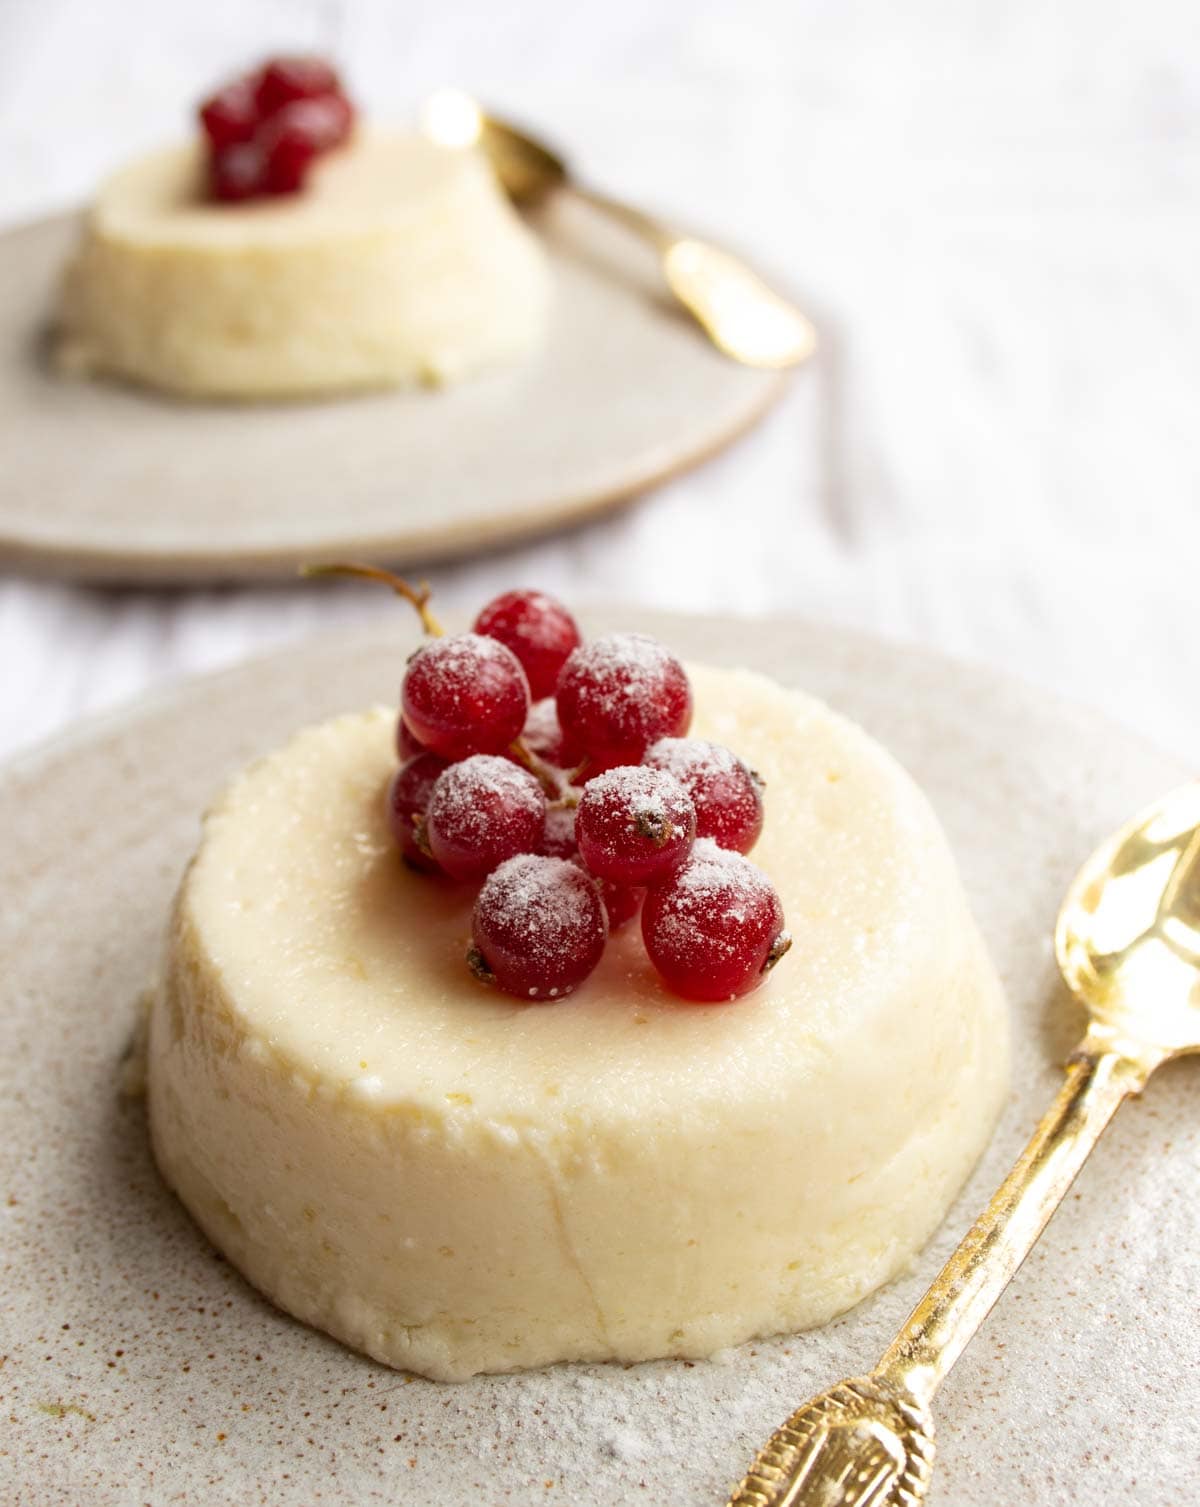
417	595
541	771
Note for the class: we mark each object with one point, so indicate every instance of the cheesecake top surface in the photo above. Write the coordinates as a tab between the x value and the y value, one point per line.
379	179
348	969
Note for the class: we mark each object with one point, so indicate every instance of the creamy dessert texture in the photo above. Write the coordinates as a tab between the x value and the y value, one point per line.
399	262
455	1182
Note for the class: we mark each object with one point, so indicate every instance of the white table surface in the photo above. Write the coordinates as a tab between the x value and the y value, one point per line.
992	211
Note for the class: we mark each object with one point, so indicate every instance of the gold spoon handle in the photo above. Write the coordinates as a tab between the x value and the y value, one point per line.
636	220
742	316
1099	1077
870	1440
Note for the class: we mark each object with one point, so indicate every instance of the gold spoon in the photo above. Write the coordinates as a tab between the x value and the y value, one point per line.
1128	944
741	315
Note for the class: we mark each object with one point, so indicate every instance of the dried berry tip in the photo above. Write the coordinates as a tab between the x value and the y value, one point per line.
779	946
477	963
656	829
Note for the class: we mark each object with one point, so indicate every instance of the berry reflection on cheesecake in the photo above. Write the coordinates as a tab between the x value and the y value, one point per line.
504	1054
294	251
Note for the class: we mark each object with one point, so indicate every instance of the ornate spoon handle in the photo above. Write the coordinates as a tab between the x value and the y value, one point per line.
869	1442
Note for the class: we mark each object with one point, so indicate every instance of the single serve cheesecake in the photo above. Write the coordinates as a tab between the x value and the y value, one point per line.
455	1181
389	261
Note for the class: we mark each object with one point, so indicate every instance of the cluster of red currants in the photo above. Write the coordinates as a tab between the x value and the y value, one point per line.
266	128
557	772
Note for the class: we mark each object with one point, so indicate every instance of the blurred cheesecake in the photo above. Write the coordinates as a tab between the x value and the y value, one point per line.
399	262
456	1182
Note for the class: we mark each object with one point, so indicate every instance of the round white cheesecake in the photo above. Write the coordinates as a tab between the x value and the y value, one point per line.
457	1182
399	262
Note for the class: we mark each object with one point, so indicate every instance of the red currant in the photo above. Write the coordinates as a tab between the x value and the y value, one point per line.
231	115
618	694
288	153
621	901
407	802
237	172
285	80
558	836
539	631
481	812
635	825
464	694
266	128
716	927
324	123
538	929
543	735
407	747
726	792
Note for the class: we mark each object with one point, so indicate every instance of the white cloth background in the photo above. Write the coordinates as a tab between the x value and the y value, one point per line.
993	211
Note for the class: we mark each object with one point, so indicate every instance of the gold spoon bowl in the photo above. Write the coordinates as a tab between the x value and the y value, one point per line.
1128	945
741	315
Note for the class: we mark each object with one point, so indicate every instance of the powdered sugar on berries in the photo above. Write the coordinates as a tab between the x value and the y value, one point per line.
726	791
635	824
716	926
539	927
633	790
470	791
619	693
465	694
482	811
450	664
687	757
625	668
558	835
543	734
712	880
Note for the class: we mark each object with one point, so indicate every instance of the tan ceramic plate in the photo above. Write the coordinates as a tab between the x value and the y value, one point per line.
112	483
137	1366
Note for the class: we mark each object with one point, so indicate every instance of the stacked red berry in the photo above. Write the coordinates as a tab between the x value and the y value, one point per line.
539	927
482	811
490	790
408	798
266	128
635	825
716	926
539	631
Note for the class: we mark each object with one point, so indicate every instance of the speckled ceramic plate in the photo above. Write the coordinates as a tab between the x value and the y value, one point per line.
137	1367
109	482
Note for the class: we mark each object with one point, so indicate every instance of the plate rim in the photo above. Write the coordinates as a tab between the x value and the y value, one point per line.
156	566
